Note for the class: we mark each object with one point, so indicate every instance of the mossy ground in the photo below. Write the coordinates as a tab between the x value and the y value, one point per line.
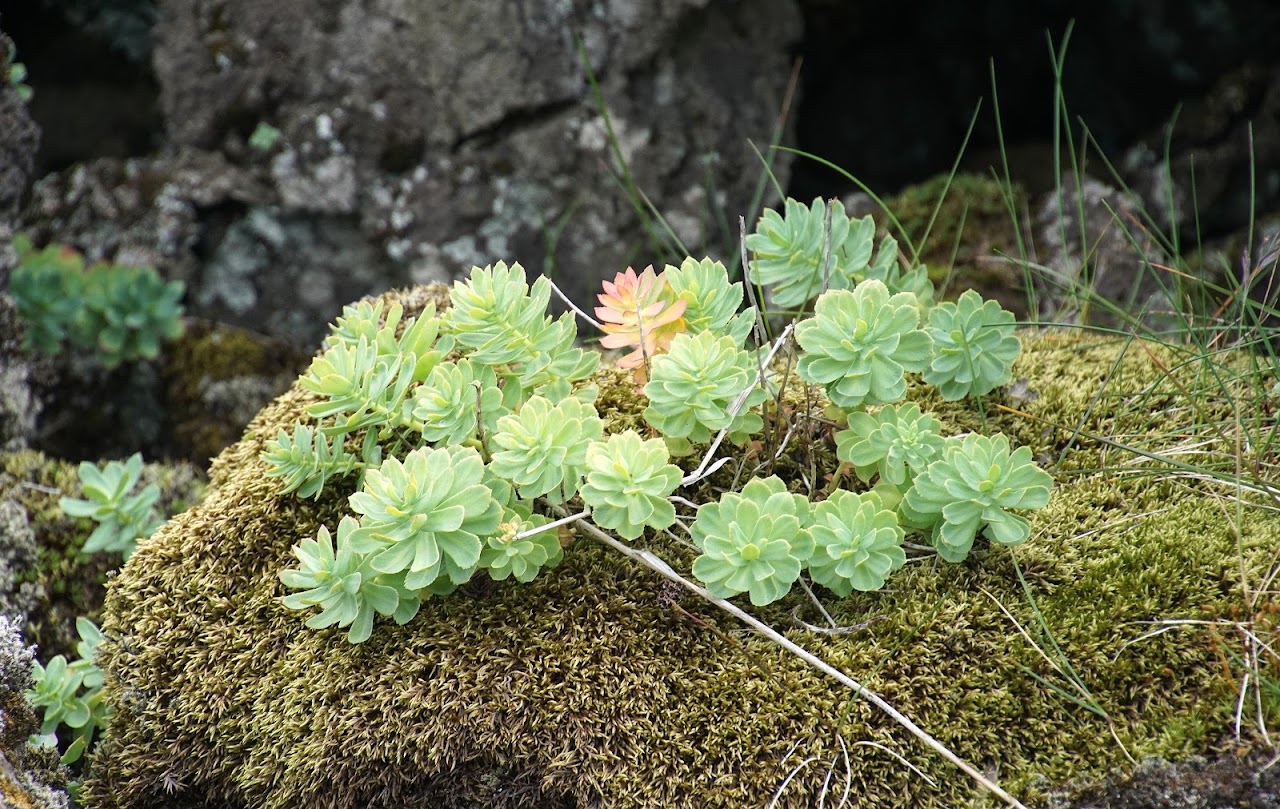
598	685
68	582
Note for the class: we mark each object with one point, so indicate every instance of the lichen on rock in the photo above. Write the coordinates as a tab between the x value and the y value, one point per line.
587	687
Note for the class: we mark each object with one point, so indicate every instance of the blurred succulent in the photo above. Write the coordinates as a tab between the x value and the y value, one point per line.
542	448
264	137
506	556
695	385
974	486
788	251
974	347
123	516
425	515
344	585
16	75
711	302
754	541
897	442
456	400
127	311
628	480
859	344
47	286
642	311
858	543
306	460
71	694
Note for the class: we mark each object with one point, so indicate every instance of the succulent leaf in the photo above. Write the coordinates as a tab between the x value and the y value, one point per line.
642	311
974	347
711	301
446	404
695	385
858	543
898	443
975	486
425	516
860	344
542	449
306	460
754	541
628	480
506	556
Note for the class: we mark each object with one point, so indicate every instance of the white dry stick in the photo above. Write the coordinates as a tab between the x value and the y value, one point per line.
574	306
660	567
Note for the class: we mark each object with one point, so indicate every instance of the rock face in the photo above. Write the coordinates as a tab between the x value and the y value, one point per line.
415	139
587	688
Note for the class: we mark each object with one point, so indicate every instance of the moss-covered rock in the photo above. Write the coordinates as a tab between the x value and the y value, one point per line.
596	684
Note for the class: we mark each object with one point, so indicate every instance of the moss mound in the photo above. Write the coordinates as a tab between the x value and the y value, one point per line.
596	685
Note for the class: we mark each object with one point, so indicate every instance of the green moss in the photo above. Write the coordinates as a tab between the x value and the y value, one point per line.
589	687
218	377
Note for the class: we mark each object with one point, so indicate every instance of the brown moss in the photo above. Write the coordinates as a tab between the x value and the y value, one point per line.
587	687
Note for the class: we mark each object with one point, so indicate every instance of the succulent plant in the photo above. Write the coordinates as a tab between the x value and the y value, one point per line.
497	315
344	585
522	559
975	486
542	448
695	385
859	345
754	541
628	480
788	251
857	543
47	286
123	516
711	301
641	311
456	400
360	388
306	460
425	515
898	442
127	312
974	347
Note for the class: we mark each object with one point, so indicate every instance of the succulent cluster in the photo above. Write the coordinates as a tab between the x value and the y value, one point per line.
70	695
119	313
470	430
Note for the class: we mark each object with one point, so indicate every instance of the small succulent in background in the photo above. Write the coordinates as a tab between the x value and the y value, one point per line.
70	694
754	541
711	301
857	543
425	516
788	251
628	480
48	288
264	137
123	516
897	443
127	312
695	385
343	584
860	344
640	311
974	347
542	448
973	487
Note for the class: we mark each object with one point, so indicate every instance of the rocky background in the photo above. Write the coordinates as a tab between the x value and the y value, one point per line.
283	159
